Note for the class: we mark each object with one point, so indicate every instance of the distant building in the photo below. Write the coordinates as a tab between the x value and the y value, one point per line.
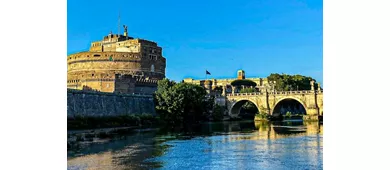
213	85
118	63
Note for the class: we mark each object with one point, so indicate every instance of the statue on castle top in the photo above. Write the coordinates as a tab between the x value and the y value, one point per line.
125	27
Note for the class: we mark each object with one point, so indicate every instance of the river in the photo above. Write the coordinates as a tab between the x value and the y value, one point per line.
227	145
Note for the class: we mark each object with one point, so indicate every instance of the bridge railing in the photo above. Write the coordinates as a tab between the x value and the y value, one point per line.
272	92
293	92
245	94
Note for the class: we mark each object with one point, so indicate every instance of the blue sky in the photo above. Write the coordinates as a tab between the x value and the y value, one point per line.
222	36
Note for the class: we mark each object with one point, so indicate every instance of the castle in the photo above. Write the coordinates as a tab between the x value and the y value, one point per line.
118	63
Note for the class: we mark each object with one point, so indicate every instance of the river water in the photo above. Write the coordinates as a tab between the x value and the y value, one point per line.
228	145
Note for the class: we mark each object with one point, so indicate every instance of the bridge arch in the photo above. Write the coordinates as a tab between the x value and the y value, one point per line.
237	105
291	104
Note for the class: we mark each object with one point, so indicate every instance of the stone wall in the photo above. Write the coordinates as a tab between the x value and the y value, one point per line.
96	70
83	103
116	62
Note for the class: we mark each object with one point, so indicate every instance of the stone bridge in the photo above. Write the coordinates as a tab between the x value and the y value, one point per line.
308	102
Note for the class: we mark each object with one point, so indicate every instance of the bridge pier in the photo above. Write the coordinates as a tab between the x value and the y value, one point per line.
310	118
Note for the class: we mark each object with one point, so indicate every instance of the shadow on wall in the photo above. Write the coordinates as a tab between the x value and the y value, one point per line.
91	103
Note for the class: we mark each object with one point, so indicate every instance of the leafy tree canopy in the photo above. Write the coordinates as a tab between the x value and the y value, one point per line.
285	82
179	102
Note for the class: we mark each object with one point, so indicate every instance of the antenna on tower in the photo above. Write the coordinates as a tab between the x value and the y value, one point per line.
119	23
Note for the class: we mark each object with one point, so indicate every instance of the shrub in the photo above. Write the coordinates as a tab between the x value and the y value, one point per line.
288	114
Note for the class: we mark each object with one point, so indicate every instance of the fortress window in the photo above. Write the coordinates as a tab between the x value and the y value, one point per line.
96	55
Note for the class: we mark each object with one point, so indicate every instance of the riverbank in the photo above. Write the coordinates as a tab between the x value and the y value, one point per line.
89	122
81	138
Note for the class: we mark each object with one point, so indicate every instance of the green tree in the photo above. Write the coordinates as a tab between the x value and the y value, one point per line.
218	112
179	102
286	82
208	104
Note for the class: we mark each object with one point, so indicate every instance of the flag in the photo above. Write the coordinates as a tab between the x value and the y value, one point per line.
207	72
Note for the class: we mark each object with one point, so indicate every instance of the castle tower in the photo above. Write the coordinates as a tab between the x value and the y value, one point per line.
240	74
118	54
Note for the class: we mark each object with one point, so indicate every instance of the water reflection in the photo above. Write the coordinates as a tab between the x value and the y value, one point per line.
228	145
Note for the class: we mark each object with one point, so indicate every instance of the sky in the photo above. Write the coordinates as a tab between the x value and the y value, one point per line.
221	36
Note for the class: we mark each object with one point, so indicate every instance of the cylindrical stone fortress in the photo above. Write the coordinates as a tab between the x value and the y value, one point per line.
115	55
